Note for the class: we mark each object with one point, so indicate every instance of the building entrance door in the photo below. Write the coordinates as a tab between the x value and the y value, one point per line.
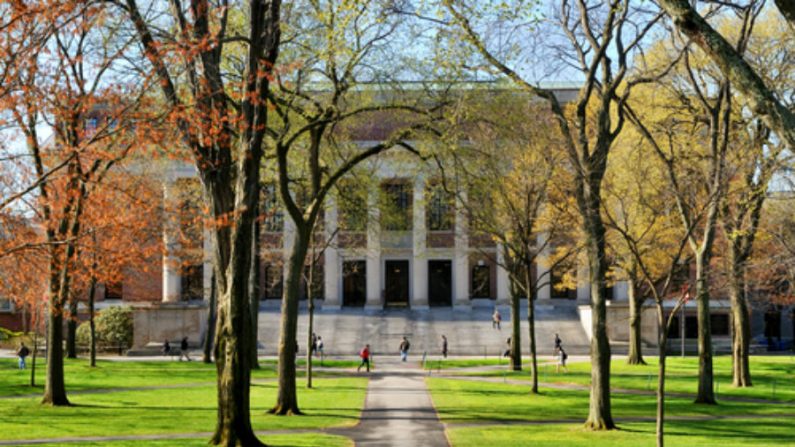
440	282
354	283
396	292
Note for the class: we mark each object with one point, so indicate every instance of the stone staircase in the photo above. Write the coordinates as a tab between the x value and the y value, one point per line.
469	332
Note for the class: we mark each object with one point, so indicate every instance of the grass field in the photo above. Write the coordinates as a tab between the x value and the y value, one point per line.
132	398
773	377
282	440
721	433
486	409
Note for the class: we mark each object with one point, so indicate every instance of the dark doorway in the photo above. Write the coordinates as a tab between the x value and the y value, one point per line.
396	293
354	283
440	281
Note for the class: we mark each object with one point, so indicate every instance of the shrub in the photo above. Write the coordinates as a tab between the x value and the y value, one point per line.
114	328
82	336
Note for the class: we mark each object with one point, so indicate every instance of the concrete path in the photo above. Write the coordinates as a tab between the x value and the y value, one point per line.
398	410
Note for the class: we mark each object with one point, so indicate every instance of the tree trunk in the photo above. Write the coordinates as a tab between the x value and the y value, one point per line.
531	328
254	279
635	356
661	354
599	415
287	400
706	392
71	329
209	334
55	388
92	334
36	324
233	326
741	335
309	332
516	332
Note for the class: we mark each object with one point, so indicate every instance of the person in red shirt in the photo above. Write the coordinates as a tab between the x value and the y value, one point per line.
365	355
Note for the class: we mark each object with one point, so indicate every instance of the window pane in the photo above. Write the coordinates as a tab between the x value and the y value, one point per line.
441	209
396	207
481	281
270	207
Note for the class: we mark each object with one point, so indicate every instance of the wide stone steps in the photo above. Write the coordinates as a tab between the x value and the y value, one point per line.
469	332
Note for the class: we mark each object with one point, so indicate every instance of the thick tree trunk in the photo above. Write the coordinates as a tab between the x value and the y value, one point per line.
55	388
212	310
92	333
741	335
516	332
531	328
71	329
635	356
233	326
599	415
254	280
287	399
706	391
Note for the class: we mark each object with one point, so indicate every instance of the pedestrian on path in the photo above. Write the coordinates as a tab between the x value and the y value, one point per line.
319	347
444	346
166	348
507	352
404	349
365	356
562	356
183	349
558	344
22	352
496	319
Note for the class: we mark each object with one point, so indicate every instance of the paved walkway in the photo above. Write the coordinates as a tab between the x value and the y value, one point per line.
398	410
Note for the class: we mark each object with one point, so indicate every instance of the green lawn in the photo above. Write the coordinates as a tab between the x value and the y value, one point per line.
450	363
282	440
133	374
506	413
469	401
773	376
185	404
723	433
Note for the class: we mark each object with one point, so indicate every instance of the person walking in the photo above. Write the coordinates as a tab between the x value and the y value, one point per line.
183	349
319	347
507	352
364	354
166	348
562	357
444	346
558	344
404	349
496	319
22	353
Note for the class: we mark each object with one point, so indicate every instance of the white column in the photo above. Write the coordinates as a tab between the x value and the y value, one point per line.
374	299
543	275
503	278
419	295
331	262
461	259
172	281
583	280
